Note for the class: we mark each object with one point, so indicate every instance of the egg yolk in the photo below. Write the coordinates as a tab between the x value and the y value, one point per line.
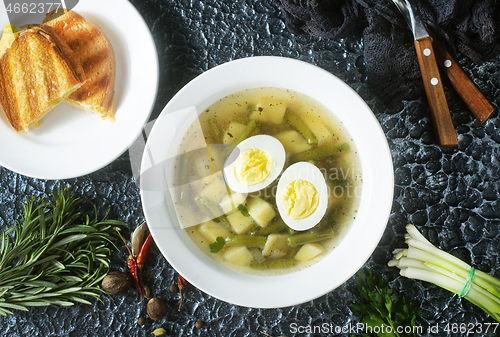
300	199
253	166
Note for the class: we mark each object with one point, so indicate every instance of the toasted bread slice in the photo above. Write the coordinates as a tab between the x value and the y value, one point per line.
94	51
37	71
8	38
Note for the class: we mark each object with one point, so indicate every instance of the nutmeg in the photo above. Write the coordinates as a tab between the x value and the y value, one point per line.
116	283
156	308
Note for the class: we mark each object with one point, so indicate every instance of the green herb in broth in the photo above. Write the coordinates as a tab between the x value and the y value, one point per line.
305	128
216	246
243	210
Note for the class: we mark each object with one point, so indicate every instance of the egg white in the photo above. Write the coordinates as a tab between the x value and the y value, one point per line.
309	172
271	146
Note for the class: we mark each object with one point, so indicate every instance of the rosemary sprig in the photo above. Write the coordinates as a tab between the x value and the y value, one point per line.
56	255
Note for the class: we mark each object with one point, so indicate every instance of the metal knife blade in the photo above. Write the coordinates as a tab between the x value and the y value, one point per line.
440	112
413	18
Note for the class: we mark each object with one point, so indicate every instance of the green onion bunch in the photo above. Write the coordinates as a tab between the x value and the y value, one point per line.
423	261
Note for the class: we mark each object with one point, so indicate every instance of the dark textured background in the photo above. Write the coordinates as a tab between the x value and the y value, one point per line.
452	195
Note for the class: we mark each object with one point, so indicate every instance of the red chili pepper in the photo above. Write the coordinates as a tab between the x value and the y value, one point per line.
141	257
132	267
181	283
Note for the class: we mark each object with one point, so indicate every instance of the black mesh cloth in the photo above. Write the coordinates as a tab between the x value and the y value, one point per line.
466	26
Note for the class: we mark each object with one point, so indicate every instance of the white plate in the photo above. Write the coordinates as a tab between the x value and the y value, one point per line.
359	241
71	142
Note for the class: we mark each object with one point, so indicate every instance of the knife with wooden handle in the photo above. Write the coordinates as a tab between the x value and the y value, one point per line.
440	112
480	107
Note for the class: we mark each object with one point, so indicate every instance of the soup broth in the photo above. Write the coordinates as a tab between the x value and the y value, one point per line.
237	236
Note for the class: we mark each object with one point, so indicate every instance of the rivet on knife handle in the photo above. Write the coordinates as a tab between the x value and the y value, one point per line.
440	112
480	107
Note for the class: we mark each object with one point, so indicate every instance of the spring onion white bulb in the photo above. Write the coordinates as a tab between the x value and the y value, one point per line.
423	261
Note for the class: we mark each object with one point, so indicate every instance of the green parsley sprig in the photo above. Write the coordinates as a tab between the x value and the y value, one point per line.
384	311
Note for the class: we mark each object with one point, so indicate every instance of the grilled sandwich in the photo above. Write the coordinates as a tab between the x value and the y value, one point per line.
37	71
94	51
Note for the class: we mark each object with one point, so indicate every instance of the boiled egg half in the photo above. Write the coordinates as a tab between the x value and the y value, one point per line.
302	196
254	164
